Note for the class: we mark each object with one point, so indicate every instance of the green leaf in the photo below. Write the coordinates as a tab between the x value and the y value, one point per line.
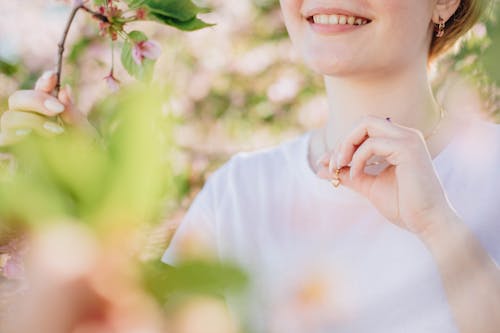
182	10
142	72
179	14
190	25
137	36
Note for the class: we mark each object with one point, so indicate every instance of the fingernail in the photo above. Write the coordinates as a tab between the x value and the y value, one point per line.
52	127
47	74
339	160
319	160
23	132
54	106
331	165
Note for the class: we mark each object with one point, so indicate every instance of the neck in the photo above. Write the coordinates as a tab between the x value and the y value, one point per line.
404	95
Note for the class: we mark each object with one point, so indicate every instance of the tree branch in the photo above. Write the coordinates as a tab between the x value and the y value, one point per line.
62	43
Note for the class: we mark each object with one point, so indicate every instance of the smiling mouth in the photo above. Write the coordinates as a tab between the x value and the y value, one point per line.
337	19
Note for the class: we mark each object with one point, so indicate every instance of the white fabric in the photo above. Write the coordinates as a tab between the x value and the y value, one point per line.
270	213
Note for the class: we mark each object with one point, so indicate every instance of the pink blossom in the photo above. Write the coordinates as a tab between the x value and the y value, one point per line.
112	82
145	49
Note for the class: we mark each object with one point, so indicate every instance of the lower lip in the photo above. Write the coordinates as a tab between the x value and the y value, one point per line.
332	29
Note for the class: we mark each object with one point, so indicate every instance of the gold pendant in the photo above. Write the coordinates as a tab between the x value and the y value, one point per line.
335	182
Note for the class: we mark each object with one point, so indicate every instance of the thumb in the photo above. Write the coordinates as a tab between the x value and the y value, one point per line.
47	82
361	183
70	114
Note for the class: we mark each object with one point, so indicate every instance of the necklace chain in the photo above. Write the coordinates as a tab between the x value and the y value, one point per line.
442	115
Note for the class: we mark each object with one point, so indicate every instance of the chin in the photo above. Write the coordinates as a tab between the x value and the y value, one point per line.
339	66
347	64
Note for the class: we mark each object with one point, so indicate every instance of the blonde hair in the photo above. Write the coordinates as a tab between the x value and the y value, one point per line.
467	14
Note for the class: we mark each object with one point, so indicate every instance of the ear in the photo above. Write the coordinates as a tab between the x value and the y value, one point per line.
444	9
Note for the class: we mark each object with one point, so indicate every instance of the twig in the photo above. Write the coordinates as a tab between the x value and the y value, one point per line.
61	48
61	44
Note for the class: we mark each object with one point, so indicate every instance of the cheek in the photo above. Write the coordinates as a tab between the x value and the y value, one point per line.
404	25
290	10
291	6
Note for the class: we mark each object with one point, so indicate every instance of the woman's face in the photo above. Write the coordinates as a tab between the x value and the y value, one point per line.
349	37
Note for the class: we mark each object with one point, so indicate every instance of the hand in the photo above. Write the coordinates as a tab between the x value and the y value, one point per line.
407	192
34	111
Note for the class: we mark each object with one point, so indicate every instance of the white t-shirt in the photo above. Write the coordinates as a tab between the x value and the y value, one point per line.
323	259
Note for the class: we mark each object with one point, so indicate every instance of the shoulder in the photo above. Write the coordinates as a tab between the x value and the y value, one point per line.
484	129
249	169
476	149
264	159
475	183
481	142
473	165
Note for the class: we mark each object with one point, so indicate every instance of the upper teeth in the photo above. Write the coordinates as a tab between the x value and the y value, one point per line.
338	19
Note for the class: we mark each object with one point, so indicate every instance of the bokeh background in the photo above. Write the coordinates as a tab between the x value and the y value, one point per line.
236	86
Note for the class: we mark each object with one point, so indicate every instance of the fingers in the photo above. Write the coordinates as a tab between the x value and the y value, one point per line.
369	127
35	101
70	114
7	140
17	124
388	148
323	159
362	183
326	165
47	82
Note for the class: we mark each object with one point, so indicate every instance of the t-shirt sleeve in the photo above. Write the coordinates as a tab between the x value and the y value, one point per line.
196	233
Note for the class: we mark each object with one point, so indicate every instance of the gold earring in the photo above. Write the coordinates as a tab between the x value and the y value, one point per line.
440	28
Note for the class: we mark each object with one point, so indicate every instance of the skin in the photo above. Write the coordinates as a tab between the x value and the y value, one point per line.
28	112
379	71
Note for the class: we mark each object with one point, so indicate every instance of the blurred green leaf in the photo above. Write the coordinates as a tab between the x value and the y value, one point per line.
491	56
8	68
78	49
126	179
192	277
139	143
